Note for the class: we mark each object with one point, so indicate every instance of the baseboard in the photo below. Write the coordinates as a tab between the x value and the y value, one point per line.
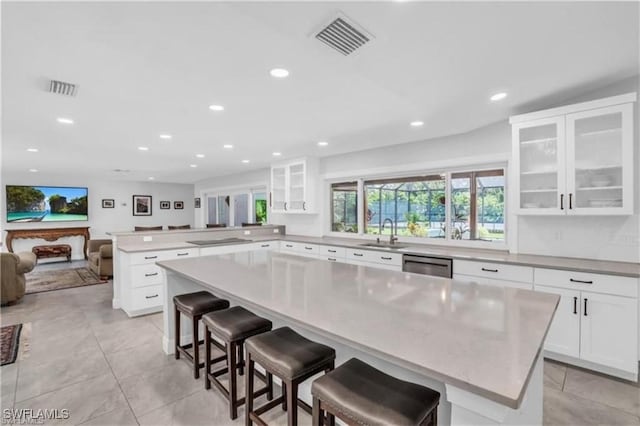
115	303
622	374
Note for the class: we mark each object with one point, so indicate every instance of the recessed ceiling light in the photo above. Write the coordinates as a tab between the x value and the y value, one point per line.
227	146
32	149
323	143
200	155
165	136
417	123
498	96
216	107
277	154
151	178
193	165
245	161
64	120
143	148
33	170
279	73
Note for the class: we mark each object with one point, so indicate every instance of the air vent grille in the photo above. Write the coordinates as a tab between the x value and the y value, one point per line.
63	88
342	36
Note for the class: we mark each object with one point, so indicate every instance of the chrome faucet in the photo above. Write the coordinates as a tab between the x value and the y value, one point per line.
392	238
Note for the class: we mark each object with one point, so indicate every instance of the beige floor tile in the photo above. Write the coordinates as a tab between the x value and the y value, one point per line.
138	360
8	380
123	335
85	400
156	320
554	375
595	387
119	417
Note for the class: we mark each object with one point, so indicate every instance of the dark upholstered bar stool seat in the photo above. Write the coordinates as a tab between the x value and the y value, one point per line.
360	394
293	359
194	305
233	326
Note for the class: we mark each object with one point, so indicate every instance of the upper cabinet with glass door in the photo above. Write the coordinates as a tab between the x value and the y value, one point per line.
576	159
293	186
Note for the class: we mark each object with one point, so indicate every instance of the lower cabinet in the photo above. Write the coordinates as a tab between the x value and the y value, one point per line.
596	320
495	282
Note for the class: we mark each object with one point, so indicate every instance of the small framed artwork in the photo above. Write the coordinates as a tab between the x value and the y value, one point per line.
108	203
165	205
142	205
197	203
178	205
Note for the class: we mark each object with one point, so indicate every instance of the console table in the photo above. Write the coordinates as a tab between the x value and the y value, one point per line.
48	234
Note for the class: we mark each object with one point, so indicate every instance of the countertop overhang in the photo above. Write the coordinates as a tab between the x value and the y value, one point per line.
483	339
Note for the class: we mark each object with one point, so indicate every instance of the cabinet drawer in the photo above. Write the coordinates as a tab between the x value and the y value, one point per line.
157	256
266	245
144	275
308	249
372	256
333	259
146	297
494	282
497	271
332	251
597	283
289	246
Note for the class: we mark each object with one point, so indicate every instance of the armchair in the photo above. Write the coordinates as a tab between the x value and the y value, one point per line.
101	257
13	282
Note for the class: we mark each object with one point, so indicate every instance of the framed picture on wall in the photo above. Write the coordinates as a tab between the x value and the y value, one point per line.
142	205
165	205
108	203
197	203
178	205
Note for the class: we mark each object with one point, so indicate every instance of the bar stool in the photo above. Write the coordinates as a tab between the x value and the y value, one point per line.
194	305
359	394
233	326
291	357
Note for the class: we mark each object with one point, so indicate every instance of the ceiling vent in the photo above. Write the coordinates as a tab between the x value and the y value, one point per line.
63	88
343	36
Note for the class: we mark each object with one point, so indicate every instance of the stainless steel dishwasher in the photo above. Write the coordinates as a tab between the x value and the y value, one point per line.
428	265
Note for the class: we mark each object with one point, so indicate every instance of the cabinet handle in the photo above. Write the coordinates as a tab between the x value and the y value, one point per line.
288	245
151	297
150	257
575	305
182	254
570	201
270	199
331	259
151	275
585	306
358	254
561	201
304	205
308	248
285	206
489	270
331	251
265	245
385	258
580	281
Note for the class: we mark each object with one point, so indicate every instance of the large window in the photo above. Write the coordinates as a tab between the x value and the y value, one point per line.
477	205
344	207
415	206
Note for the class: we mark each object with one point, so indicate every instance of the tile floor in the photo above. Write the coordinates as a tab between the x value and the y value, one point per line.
108	369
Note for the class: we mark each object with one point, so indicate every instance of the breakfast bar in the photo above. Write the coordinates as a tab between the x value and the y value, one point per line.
480	346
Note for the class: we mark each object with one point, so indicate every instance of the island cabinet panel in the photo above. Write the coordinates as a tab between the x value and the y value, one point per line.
492	270
596	323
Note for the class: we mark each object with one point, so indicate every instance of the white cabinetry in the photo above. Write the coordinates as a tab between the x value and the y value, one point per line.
293	186
490	273
377	259
596	321
575	160
142	279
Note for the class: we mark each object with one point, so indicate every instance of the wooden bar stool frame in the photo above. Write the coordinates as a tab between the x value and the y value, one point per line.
234	364
289	397
326	414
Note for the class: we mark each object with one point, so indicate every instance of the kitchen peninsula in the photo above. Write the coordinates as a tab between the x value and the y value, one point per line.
479	346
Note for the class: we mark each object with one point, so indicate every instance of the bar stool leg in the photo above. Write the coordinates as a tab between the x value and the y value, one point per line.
292	403
249	391
195	346
317	413
284	396
207	360
177	331
240	346
233	386
269	386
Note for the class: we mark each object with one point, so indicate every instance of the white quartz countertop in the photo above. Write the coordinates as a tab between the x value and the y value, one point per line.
479	338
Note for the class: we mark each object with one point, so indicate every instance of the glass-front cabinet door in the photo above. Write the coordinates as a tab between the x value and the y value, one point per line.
540	154
600	161
279	188
297	187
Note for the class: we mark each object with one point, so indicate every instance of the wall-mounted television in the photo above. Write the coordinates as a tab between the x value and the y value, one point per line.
46	203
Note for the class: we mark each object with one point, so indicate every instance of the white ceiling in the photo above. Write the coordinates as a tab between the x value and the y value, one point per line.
148	68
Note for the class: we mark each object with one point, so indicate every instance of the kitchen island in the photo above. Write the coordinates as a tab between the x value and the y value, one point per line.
479	346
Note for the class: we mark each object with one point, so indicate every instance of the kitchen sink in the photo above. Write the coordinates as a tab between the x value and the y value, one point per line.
383	245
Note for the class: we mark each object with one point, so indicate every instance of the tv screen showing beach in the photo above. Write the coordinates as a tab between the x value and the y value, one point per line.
46	204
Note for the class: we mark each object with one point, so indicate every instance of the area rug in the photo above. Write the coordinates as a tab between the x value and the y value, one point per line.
9	343
39	281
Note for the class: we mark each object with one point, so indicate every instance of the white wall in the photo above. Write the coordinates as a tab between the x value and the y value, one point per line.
102	220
